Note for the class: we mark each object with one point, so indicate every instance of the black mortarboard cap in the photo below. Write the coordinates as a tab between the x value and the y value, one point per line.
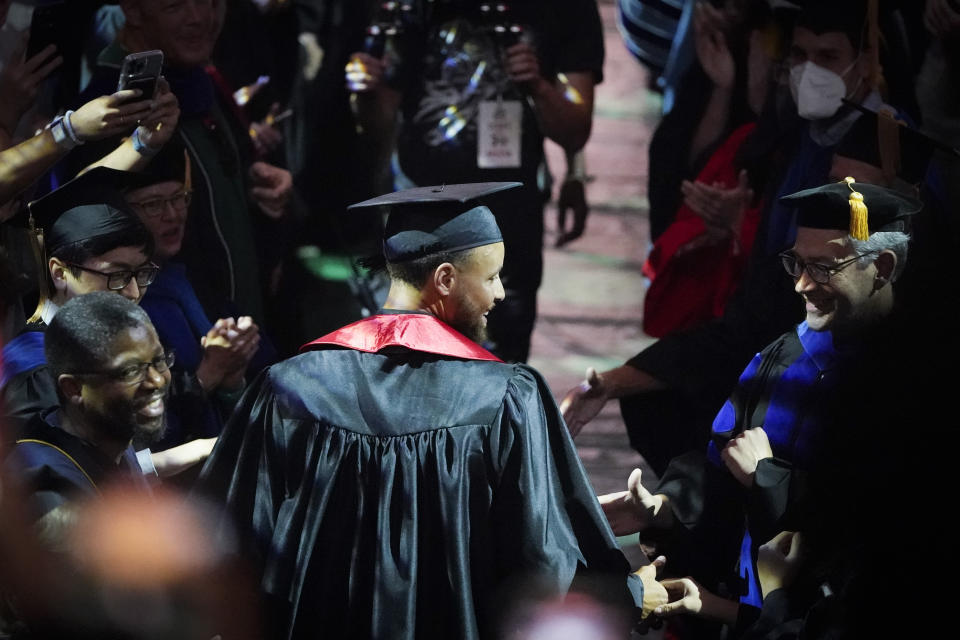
428	220
854	206
862	142
89	206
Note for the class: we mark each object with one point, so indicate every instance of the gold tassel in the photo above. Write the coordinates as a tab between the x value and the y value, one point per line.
858	214
43	275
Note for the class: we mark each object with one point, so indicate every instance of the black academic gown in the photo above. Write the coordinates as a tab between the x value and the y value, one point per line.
395	479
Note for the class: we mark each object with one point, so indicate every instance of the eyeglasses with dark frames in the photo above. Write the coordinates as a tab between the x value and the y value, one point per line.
819	273
157	206
135	373
118	280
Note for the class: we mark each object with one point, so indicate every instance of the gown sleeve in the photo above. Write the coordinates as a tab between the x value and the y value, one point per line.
547	518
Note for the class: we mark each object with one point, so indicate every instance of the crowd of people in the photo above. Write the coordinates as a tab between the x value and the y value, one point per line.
183	457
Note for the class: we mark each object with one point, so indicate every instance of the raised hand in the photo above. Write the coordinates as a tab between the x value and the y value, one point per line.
713	53
108	116
158	127
20	81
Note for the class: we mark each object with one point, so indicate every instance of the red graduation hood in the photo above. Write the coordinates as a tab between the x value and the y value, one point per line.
416	331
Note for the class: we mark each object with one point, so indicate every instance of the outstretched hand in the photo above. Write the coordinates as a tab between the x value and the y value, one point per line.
635	509
159	126
584	402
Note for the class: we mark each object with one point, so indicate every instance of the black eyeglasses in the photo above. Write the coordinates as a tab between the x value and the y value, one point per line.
157	206
118	280
819	273
135	373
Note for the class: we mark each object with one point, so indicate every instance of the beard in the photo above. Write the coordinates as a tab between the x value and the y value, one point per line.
469	320
120	421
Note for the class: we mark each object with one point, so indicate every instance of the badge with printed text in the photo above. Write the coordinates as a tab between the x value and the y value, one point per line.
498	134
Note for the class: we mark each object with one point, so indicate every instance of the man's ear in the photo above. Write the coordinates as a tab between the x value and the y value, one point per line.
57	270
445	279
71	388
886	264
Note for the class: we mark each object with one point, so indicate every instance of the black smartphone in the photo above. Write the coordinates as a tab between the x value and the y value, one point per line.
49	25
141	71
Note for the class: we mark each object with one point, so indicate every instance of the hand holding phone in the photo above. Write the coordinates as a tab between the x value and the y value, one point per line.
141	71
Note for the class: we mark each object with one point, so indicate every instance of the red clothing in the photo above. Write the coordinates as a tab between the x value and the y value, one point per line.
690	289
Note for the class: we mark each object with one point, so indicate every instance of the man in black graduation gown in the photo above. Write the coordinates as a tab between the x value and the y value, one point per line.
396	478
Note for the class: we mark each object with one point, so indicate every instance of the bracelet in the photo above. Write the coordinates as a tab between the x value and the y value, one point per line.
69	127
60	135
142	147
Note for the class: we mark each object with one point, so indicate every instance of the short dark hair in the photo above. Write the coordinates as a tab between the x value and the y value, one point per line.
419	270
81	335
133	235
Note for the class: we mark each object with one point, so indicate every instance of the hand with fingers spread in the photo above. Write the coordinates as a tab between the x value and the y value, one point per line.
159	126
20	81
572	198
228	348
271	188
584	402
713	53
779	560
744	453
687	596
636	509
107	116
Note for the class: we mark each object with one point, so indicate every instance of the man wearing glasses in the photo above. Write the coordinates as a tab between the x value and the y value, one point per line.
851	245
111	376
92	242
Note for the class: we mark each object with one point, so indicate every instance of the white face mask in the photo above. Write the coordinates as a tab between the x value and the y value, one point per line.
818	92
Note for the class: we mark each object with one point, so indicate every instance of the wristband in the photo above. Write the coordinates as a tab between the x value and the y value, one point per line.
60	135
142	147
69	127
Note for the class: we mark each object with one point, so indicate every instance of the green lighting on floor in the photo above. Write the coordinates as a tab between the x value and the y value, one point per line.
328	267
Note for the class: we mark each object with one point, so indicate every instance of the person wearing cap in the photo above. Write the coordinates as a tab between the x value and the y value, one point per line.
91	241
669	392
395	478
851	246
478	87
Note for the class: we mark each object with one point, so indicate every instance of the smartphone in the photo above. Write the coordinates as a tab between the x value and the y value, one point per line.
49	25
141	71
